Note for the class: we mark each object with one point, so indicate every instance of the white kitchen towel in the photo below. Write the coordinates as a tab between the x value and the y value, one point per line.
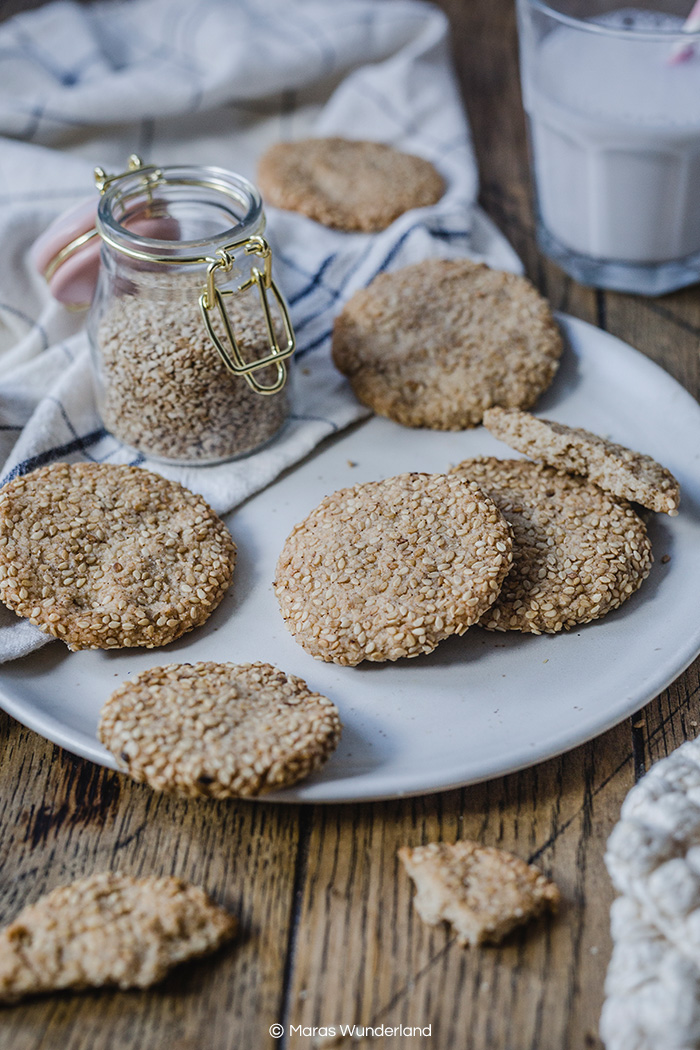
653	856
215	82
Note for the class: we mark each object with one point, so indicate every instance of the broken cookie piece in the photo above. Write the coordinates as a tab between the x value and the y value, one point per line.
622	471
482	891
108	929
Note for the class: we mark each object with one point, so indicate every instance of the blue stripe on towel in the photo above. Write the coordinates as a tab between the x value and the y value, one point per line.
303	351
300	325
78	444
316	282
301	417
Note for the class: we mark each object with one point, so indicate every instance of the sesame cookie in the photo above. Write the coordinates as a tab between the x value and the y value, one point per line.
440	341
389	568
220	730
108	929
578	552
482	891
346	184
631	475
106	556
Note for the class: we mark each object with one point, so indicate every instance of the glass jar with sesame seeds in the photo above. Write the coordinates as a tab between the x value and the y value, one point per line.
190	336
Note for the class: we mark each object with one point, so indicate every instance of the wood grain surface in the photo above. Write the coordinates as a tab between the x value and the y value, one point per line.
329	933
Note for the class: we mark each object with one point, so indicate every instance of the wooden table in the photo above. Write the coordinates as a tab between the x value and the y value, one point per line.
329	934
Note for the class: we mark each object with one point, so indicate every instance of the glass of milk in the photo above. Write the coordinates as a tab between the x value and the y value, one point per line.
612	95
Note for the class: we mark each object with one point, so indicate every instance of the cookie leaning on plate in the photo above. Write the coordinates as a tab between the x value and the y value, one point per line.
218	729
387	569
105	556
437	343
578	552
631	475
347	184
108	929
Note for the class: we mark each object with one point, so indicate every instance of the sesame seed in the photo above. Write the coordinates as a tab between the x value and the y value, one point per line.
165	389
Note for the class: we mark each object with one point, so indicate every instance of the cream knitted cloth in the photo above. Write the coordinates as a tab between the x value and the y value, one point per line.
653	856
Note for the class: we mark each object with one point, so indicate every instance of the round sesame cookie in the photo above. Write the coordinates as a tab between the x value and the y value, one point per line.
347	184
106	556
218	729
578	552
388	569
437	343
631	475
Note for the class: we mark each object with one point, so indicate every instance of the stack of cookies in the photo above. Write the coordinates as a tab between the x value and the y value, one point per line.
388	569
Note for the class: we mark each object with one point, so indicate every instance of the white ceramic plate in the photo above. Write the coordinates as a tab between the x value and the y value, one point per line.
482	705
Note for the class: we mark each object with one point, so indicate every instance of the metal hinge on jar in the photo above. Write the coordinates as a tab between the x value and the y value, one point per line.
212	304
151	175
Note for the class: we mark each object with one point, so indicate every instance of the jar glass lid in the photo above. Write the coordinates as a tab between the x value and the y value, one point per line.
208	208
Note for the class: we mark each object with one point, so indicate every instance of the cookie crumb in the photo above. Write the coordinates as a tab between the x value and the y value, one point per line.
483	892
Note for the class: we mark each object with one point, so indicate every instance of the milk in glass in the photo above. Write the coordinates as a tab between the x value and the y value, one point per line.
615	137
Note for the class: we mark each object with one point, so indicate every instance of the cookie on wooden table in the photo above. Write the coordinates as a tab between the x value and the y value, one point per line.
345	183
631	475
578	552
106	556
218	729
108	929
481	891
437	343
387	569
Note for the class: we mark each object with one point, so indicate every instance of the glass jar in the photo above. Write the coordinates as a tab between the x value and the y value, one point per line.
190	336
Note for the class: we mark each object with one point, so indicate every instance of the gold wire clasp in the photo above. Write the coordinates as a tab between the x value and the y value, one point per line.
152	176
212	298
